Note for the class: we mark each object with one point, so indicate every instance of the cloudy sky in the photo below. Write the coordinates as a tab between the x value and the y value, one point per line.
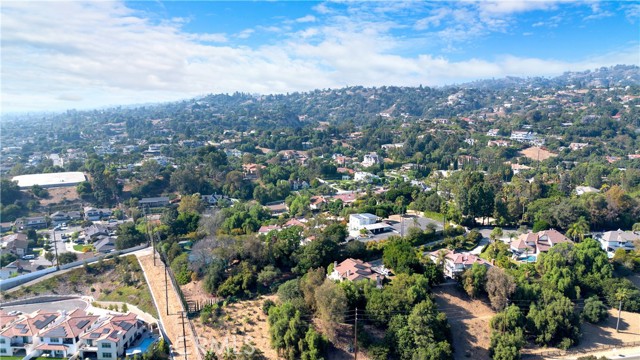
60	55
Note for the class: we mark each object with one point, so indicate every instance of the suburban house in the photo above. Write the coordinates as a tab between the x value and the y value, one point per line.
213	200
364	176
581	190
37	222
93	214
265	229
536	243
95	230
111	337
366	221
11	269
456	263
523	136
17	244
613	240
316	202
371	159
6	227
154	202
60	217
356	270
105	244
70	334
277	208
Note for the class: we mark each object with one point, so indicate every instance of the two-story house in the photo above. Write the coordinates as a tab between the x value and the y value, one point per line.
356	270
62	339
613	240
21	337
112	337
17	244
537	243
454	264
36	222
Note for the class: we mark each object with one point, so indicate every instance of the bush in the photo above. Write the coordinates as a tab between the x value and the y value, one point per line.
594	310
266	305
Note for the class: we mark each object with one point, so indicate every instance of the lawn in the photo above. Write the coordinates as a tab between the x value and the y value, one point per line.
119	279
83	248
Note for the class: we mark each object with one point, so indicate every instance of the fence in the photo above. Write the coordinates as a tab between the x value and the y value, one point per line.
10	283
553	353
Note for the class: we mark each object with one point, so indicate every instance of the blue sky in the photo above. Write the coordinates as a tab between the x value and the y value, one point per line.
58	55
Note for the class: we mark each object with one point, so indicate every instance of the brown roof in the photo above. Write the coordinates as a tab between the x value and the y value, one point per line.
74	325
354	270
31	325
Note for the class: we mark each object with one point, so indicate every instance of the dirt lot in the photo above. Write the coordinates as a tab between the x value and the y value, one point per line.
239	322
469	320
537	153
58	195
172	322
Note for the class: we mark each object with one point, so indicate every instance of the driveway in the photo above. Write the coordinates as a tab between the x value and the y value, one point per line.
66	305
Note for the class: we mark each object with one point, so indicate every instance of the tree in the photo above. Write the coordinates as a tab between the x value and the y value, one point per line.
49	256
474	279
331	305
578	229
400	256
67	257
499	287
190	204
128	236
496	233
39	192
594	310
554	320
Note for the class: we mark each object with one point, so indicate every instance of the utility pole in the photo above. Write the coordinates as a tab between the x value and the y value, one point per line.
166	289
55	248
355	337
184	337
149	234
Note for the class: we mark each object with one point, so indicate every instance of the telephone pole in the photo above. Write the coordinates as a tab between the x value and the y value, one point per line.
55	248
184	337
166	289
355	337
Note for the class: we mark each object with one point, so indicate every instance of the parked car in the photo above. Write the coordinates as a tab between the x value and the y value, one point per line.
28	257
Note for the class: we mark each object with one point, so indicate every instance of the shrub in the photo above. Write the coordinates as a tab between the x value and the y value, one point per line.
594	310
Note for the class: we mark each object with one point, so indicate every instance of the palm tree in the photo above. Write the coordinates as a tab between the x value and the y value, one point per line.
578	229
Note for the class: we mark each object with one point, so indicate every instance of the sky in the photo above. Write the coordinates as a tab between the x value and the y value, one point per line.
59	55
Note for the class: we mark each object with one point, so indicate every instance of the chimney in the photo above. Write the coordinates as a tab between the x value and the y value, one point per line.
335	264
378	282
348	272
493	261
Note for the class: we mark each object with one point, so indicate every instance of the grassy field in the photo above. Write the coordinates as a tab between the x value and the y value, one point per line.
119	279
83	248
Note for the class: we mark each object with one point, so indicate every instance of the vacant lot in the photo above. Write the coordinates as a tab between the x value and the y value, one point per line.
118	279
537	153
58	195
239	322
469	320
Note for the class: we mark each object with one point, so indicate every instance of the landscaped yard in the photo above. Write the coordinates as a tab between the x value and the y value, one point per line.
118	279
83	248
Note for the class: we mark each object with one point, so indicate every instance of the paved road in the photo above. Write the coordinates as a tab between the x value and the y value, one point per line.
66	305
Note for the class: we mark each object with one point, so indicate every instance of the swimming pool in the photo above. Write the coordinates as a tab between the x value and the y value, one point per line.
530	258
142	347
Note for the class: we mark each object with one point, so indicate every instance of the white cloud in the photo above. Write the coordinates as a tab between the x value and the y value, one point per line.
515	6
306	19
57	55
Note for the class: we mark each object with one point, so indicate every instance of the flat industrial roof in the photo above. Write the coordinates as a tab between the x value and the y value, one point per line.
60	179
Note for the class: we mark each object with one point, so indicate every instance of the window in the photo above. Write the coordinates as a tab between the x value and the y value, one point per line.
2	341
54	340
106	345
107	355
3	351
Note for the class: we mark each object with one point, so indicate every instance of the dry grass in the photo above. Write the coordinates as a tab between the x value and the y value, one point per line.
537	153
469	320
241	322
58	195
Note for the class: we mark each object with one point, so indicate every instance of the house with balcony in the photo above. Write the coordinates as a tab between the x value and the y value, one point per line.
111	337
63	339
356	270
614	240
454	264
22	336
537	243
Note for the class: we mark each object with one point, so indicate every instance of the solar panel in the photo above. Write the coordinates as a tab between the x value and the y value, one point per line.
95	335
125	325
83	323
21	326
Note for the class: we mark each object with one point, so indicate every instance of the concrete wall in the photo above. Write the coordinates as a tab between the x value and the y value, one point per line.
19	280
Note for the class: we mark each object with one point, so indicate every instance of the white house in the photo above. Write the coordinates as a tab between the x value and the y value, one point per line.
359	221
456	263
581	190
523	136
364	176
613	240
371	159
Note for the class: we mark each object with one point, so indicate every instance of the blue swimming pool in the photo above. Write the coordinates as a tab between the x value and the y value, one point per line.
141	348
530	258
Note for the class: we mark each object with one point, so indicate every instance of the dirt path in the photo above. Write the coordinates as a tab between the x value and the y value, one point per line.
469	320
172	323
